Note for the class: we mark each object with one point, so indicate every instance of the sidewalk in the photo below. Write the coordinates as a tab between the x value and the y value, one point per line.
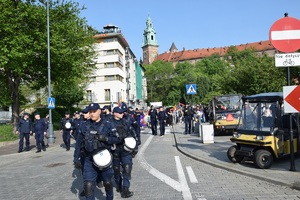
12	147
215	154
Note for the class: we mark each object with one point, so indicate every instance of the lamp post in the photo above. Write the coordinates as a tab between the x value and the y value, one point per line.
51	138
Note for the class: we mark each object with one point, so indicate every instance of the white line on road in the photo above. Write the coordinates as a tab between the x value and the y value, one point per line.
186	193
191	174
164	178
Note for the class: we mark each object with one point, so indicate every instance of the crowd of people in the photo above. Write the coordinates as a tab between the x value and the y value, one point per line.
106	140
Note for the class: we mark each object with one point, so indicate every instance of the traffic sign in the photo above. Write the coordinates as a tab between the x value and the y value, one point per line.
285	34
291	96
51	102
287	59
191	89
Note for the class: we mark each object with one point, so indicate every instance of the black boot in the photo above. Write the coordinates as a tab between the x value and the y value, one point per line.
126	193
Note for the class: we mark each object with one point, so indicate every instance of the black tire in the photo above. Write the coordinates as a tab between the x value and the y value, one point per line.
231	155
263	159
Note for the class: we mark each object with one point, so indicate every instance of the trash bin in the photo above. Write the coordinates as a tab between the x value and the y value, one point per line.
207	133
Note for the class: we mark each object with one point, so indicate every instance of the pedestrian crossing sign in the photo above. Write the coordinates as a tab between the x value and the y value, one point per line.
191	89
51	102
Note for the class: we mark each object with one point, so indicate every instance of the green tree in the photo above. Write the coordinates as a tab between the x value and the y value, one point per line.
23	45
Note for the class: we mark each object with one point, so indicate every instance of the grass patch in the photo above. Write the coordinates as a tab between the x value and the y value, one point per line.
6	133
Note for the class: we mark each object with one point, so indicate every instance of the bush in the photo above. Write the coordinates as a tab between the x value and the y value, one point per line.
6	133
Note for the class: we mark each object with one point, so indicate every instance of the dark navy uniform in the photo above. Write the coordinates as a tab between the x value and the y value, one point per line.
66	128
162	117
76	123
187	114
24	128
95	136
153	120
40	129
122	157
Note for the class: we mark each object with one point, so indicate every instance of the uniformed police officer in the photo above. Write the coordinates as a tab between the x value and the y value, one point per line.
107	113
40	130
24	128
153	119
187	114
76	122
97	137
66	128
122	155
136	123
162	117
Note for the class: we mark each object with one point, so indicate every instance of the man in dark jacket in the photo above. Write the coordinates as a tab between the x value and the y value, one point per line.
24	128
66	128
40	130
162	117
153	119
188	115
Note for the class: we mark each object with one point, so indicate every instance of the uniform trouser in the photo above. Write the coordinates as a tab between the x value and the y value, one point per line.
39	137
75	134
66	138
188	123
138	132
27	142
91	174
162	126
154	127
122	179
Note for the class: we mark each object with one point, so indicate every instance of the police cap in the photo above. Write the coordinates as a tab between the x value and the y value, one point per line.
118	110
94	106
85	110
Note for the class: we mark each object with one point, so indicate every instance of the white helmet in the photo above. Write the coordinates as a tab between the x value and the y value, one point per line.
68	125
129	143
102	159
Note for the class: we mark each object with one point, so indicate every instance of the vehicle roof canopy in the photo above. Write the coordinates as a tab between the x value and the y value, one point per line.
264	97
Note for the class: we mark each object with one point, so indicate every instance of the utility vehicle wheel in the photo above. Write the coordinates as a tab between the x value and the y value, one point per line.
231	155
263	159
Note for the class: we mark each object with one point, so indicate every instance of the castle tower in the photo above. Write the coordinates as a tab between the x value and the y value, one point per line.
150	45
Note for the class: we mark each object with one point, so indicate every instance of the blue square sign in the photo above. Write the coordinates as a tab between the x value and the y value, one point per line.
191	89
51	102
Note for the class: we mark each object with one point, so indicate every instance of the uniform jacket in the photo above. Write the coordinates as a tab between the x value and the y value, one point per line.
39	126
24	126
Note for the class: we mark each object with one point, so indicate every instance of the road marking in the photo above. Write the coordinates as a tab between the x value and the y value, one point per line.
191	174
164	178
180	186
186	193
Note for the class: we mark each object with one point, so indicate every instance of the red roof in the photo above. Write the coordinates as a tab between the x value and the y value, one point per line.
206	52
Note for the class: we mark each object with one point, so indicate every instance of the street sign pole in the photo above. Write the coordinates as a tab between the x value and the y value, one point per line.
51	138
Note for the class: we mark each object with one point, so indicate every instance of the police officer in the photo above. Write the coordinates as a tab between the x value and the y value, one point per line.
162	117
107	113
122	155
40	130
187	114
97	138
153	120
76	122
24	128
66	128
136	123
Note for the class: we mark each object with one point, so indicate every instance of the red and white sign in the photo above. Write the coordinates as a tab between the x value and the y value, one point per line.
291	95
285	34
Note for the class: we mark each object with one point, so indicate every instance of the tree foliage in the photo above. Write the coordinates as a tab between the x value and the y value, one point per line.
238	72
23	45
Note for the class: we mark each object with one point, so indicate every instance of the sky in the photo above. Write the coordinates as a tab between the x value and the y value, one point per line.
190	24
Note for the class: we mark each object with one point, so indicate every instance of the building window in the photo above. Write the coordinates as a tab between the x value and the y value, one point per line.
89	95
107	94
109	78
110	52
109	65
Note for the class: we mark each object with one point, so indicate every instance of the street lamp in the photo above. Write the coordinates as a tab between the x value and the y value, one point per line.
51	138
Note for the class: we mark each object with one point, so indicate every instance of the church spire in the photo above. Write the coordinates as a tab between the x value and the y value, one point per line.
149	33
150	45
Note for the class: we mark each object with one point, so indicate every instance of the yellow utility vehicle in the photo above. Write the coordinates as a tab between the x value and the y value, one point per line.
263	132
224	111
